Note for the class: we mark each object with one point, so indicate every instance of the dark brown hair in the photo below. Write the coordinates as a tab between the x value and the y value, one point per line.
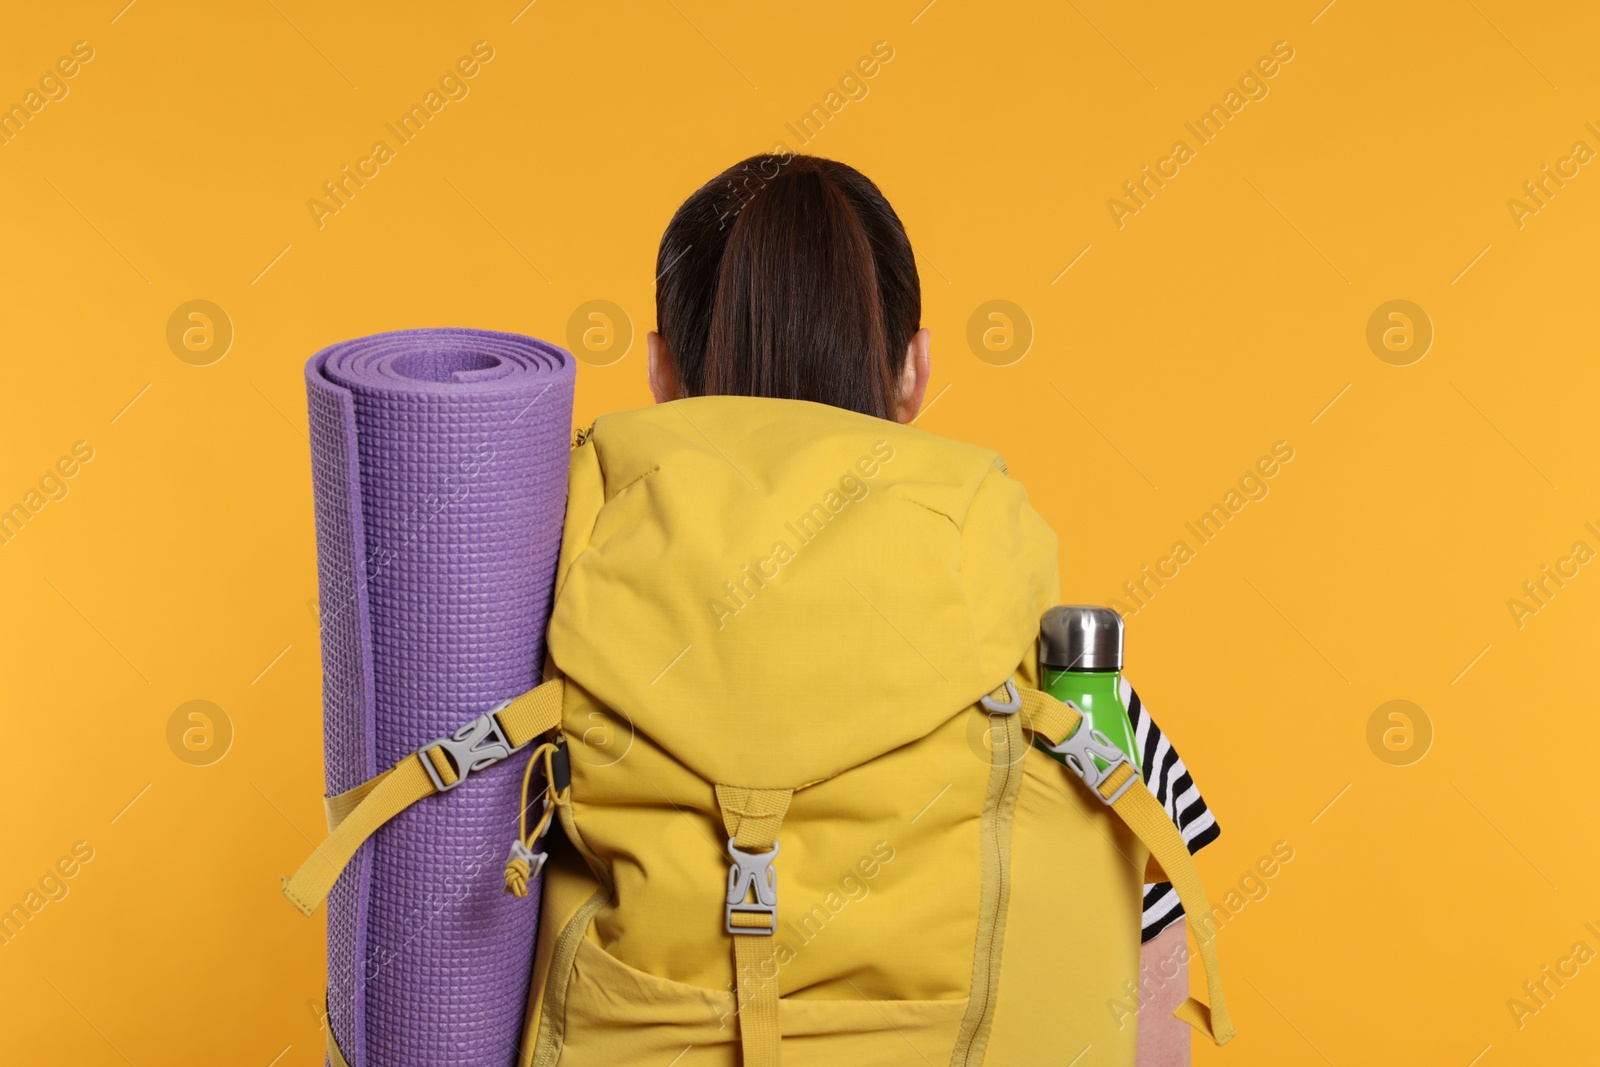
790	277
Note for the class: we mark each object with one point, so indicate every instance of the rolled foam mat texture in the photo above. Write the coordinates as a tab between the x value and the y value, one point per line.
439	463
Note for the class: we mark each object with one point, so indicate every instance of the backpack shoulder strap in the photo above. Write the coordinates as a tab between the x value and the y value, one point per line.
1118	785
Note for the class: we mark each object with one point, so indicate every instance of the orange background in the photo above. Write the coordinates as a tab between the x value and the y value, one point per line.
1228	314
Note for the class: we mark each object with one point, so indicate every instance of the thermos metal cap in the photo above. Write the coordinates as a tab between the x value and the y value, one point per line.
1080	637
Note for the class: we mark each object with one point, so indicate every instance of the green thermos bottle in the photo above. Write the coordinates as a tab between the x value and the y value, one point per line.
1080	662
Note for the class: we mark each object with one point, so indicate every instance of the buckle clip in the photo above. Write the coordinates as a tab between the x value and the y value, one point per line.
479	744
534	860
1012	705
1079	752
752	889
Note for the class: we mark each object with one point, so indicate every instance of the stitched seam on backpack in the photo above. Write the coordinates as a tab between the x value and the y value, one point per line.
551	1036
610	496
1005	781
552	1033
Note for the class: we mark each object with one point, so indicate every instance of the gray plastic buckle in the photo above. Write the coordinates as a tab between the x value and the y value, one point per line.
534	860
752	889
1013	702
479	744
1080	751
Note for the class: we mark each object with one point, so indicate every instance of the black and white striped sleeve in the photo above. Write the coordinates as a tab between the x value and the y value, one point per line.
1167	777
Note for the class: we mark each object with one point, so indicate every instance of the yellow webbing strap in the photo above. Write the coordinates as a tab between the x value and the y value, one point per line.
752	817
1145	816
355	815
338	808
1054	721
335	1056
395	790
1048	717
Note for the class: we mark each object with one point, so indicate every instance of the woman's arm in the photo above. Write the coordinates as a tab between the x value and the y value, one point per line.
1163	985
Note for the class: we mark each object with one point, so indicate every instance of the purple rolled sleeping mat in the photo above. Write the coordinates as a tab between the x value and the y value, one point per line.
439	461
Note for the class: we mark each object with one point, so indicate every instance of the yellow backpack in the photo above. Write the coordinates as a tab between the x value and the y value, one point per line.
788	725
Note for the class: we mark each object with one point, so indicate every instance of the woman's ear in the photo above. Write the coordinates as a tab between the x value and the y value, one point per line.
663	375
913	376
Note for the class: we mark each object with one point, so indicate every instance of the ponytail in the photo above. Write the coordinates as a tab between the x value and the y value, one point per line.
789	277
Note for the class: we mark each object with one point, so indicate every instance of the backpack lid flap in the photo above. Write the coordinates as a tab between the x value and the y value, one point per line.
776	590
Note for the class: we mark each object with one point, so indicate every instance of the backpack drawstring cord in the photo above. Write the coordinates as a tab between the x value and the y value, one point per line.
524	862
